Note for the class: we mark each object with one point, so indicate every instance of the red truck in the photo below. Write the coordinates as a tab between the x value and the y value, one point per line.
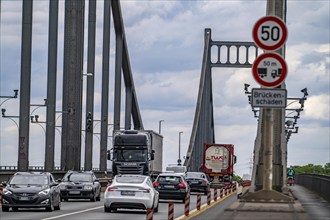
218	163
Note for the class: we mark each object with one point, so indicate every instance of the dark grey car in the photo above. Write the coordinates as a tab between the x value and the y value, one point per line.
198	182
31	190
80	185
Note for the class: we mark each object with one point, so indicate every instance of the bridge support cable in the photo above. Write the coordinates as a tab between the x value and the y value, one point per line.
51	85
203	125
105	85
132	109
89	128
72	84
205	63
25	88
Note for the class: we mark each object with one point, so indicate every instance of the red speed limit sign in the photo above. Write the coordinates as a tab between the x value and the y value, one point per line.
270	33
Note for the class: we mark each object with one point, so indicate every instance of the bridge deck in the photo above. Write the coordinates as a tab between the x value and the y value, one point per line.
308	205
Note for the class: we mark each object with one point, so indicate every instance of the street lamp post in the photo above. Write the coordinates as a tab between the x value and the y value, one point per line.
160	126
179	160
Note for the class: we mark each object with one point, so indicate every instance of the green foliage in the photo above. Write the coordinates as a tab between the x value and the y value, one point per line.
311	168
237	178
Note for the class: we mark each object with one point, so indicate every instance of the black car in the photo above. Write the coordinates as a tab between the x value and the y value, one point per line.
172	186
31	190
198	182
80	185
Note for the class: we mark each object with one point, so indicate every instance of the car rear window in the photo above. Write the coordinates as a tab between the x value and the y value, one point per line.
195	175
130	179
169	179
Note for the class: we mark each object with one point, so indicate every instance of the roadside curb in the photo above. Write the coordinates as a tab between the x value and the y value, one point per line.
204	207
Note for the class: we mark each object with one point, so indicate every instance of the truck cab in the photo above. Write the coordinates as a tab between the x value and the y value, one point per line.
132	152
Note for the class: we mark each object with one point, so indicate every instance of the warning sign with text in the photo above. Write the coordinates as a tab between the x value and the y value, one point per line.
268	98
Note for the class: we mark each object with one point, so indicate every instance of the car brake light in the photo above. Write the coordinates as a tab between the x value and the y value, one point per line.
182	185
110	189
156	184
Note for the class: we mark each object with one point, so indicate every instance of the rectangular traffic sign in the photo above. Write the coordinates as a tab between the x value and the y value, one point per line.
268	98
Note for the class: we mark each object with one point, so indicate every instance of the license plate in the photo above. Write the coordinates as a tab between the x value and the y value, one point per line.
74	192
194	182
169	186
127	193
24	198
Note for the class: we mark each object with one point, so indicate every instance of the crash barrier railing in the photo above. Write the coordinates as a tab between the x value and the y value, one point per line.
218	193
199	201
171	211
315	182
150	214
186	205
209	197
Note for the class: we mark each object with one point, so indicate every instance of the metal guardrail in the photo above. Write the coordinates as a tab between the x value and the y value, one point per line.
315	182
40	168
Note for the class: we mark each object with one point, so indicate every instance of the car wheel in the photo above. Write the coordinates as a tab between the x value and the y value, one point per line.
93	199
98	198
107	209
58	207
156	208
50	208
5	209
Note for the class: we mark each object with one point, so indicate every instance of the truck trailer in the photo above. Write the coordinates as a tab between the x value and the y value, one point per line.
218	163
136	152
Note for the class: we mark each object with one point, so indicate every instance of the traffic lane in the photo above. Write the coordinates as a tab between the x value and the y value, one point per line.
314	205
66	208
84	209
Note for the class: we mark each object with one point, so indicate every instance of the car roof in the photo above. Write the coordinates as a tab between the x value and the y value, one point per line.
131	175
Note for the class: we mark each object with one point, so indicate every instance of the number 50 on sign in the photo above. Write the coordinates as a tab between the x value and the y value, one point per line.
270	33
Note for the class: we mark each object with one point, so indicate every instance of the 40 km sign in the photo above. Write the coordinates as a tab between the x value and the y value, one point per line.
270	33
269	69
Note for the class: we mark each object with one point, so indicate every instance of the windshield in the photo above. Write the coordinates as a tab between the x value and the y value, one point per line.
130	155
29	180
78	177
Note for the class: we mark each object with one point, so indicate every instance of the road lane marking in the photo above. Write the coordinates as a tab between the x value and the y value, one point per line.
72	213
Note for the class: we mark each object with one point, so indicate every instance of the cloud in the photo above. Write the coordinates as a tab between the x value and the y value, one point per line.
317	107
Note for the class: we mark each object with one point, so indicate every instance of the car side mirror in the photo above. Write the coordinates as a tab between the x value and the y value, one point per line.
4	183
59	180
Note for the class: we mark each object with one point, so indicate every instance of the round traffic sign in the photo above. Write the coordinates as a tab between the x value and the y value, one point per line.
269	69
269	33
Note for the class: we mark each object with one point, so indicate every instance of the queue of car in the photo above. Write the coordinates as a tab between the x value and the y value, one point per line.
127	191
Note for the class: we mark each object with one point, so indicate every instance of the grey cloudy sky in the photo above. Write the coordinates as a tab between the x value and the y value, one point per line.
165	43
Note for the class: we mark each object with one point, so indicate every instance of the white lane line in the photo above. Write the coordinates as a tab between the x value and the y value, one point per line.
72	213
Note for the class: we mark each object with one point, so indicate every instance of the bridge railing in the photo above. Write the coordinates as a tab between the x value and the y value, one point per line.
315	182
40	168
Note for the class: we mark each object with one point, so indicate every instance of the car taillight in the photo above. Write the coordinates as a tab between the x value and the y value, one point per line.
156	184
182	185
110	189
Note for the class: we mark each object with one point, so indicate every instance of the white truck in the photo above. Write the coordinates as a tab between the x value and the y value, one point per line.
136	152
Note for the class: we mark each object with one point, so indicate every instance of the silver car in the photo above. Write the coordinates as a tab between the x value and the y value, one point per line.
131	192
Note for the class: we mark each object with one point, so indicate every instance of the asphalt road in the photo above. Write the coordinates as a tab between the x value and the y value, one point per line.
84	209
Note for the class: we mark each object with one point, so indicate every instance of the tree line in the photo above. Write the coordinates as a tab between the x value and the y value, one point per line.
311	168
